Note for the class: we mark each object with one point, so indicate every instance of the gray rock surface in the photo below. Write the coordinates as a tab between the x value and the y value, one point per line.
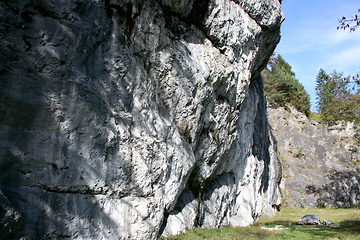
11	221
326	223
318	168
309	219
132	119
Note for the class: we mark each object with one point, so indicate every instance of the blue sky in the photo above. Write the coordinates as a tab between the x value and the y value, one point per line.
310	40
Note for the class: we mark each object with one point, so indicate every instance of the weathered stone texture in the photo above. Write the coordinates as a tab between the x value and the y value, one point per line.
131	119
318	166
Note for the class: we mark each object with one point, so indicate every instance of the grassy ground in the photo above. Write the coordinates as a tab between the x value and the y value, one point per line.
315	116
345	225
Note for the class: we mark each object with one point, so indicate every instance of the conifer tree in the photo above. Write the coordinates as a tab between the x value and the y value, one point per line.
281	86
335	99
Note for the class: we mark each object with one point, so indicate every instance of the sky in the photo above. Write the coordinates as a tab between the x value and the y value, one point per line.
310	40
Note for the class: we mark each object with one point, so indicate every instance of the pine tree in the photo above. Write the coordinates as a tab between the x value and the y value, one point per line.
281	86
335	101
323	91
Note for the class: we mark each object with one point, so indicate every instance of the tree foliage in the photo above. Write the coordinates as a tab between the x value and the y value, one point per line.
281	86
352	24
337	97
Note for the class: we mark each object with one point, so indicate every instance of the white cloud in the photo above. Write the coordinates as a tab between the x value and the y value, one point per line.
318	40
347	59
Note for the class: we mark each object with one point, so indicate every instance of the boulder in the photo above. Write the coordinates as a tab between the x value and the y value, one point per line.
309	220
326	223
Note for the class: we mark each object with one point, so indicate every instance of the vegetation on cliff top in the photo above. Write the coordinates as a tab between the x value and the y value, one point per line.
338	97
281	86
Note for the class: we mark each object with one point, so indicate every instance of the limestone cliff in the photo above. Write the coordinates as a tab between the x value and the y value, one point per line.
134	118
318	168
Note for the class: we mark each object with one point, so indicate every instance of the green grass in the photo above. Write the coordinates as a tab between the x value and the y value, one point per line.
345	225
315	116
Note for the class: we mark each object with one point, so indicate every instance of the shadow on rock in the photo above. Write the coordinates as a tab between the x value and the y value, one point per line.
342	191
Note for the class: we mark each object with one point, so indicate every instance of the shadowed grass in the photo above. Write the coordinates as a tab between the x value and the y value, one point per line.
224	233
345	225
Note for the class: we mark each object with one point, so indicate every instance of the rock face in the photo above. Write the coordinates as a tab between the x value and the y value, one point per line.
318	166
132	119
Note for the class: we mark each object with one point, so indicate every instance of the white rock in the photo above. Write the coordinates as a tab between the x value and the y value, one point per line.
130	119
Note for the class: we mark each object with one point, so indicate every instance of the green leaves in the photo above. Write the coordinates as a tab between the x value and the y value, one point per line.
336	99
281	86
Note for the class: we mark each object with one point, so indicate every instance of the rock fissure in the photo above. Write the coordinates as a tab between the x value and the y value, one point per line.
74	191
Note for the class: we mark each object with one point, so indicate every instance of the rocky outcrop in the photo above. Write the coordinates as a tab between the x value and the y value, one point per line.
132	119
319	162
